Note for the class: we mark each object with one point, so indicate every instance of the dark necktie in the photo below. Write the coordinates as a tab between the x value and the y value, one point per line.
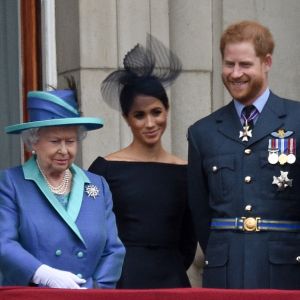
249	113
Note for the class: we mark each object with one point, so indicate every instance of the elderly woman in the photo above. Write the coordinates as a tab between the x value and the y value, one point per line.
57	228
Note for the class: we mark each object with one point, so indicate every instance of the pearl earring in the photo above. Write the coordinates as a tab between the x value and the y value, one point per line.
33	152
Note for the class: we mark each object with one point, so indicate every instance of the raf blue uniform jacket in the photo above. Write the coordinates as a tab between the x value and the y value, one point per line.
35	229
229	178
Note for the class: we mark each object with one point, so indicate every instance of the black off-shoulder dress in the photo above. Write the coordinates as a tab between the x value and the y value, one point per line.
154	222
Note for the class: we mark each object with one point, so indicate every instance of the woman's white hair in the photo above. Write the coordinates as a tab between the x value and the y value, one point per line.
31	136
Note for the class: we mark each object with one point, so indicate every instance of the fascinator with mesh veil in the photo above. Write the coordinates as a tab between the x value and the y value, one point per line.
153	63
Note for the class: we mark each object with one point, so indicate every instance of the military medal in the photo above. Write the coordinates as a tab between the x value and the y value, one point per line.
273	158
284	146
283	151
291	157
282	181
282	159
273	151
287	148
246	133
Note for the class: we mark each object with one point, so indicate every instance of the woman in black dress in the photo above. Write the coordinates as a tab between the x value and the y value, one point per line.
148	184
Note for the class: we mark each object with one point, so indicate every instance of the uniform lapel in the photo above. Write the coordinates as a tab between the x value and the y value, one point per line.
270	119
31	172
228	122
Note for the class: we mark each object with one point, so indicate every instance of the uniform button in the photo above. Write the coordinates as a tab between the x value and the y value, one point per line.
248	179
247	151
79	275
248	207
79	254
214	169
298	259
58	252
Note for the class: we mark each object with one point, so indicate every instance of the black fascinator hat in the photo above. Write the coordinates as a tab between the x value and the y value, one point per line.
147	71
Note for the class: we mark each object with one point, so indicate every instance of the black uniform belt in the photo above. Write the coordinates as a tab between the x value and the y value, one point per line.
254	224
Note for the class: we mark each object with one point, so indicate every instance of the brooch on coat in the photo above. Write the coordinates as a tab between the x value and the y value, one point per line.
92	190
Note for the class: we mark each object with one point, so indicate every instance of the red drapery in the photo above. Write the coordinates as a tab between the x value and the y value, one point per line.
27	293
30	52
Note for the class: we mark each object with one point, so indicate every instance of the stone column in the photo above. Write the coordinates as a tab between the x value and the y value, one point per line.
190	36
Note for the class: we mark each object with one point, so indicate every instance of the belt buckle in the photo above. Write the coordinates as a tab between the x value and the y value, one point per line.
251	224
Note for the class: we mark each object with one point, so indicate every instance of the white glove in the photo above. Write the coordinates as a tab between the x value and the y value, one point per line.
55	278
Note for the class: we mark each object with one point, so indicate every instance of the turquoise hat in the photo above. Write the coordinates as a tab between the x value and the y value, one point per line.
53	108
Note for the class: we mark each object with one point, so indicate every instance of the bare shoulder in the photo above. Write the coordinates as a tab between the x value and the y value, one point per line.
114	156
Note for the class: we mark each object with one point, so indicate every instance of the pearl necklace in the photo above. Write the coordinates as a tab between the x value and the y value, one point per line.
62	187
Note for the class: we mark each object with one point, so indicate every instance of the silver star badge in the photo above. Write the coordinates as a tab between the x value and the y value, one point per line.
282	181
92	190
246	134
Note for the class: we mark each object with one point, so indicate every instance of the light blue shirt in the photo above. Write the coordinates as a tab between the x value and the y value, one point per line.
259	103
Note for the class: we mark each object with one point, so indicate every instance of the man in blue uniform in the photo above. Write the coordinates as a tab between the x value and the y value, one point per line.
244	172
